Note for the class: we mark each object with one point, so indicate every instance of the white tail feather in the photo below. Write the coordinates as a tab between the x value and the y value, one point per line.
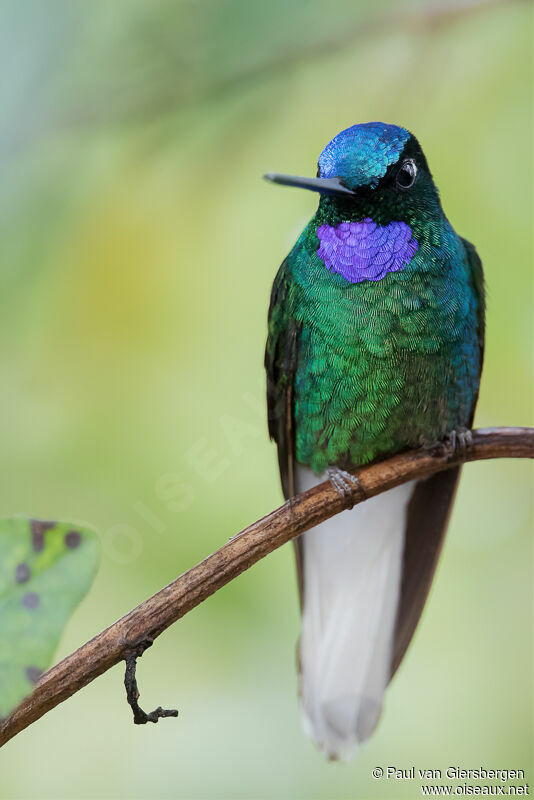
352	572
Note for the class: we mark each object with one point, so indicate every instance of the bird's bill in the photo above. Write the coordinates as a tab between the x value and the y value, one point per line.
321	185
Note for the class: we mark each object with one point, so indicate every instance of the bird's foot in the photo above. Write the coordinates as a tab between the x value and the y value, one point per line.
460	440
344	483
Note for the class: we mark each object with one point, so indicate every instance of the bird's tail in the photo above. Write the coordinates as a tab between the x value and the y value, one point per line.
351	570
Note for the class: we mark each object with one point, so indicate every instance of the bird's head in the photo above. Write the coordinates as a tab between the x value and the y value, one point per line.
371	170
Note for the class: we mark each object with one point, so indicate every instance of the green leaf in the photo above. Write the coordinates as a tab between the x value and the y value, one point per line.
46	568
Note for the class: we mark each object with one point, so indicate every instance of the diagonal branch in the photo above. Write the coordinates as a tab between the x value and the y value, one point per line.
152	617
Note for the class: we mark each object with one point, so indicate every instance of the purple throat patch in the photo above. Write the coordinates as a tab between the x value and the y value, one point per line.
365	251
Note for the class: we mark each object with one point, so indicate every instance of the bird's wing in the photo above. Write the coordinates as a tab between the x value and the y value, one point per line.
429	511
426	524
281	355
477	278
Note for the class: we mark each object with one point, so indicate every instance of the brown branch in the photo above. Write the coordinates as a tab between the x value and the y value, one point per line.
157	613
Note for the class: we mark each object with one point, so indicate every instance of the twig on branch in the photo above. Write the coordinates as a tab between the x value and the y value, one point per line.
140	717
152	617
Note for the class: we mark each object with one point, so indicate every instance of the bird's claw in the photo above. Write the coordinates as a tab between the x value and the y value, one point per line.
460	440
344	484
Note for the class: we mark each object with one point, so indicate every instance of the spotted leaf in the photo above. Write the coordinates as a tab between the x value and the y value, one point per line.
46	568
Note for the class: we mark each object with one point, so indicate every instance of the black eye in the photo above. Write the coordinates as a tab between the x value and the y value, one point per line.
406	174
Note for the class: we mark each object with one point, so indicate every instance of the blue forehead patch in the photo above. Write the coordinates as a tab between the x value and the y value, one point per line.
360	155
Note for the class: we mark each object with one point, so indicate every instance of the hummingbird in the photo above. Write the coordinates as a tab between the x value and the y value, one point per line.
375	346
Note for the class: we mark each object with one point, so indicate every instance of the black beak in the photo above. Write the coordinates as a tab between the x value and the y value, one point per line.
322	185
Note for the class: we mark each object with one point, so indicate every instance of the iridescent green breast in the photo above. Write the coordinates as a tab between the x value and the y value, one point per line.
382	364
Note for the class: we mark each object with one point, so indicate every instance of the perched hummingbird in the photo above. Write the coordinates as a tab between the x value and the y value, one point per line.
375	344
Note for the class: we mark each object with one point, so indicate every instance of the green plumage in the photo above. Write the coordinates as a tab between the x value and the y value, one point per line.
376	366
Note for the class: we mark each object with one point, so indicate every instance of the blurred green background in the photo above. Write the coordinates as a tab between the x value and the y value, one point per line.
139	245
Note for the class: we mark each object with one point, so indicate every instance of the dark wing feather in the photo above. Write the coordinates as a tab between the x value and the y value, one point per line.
281	355
427	517
429	511
280	364
477	277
